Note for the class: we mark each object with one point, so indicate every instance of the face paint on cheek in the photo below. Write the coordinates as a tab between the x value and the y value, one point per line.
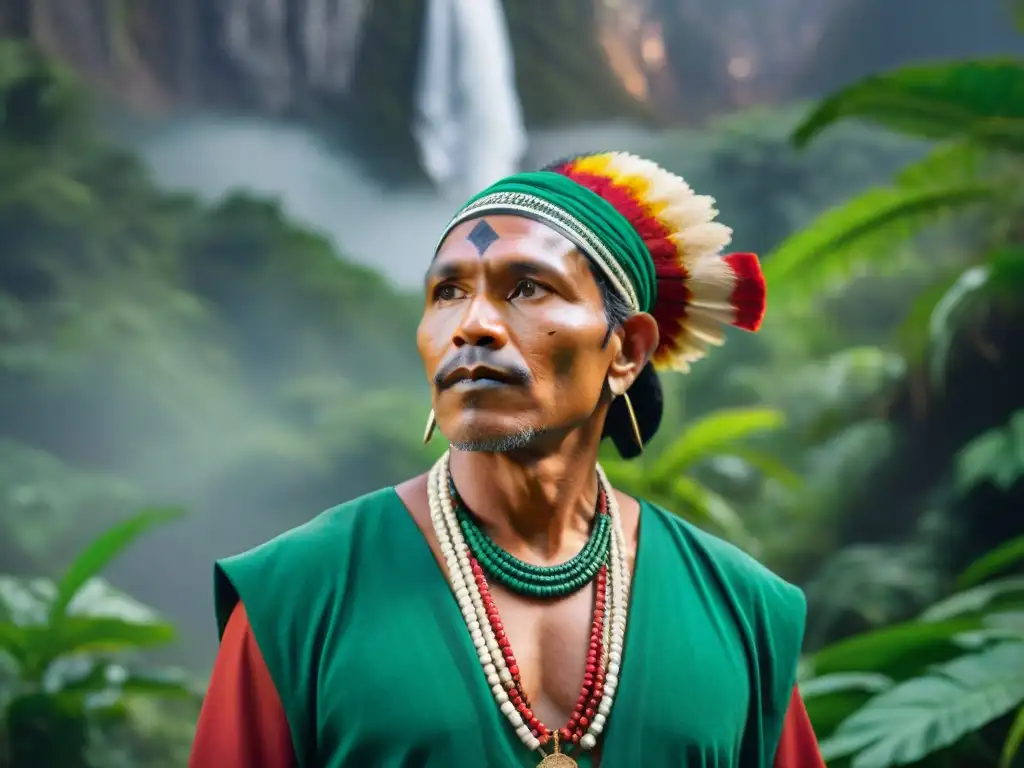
563	362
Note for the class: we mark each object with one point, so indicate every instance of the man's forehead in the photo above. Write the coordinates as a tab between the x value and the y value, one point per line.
515	232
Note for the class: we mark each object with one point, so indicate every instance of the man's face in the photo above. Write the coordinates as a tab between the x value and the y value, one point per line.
514	336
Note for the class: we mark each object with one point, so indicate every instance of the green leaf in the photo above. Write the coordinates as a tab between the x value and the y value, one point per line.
76	634
105	548
1003	273
14	641
914	336
45	645
1013	740
995	456
845	681
947	315
833	698
706	508
712	435
973	600
1006	267
1005	556
945	164
103	676
768	465
982	100
626	474
864	231
926	714
898	650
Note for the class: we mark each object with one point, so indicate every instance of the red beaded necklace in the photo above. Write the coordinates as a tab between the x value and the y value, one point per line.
592	687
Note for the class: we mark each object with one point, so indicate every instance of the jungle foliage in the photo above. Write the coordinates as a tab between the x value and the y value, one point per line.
223	358
947	686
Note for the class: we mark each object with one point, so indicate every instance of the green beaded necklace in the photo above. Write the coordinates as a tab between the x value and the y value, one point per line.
535	580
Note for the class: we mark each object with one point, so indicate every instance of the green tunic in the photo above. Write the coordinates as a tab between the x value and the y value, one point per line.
375	667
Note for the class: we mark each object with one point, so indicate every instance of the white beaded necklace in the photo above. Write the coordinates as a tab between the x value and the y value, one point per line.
456	556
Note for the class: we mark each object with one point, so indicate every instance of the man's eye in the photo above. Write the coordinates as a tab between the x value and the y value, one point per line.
526	289
446	292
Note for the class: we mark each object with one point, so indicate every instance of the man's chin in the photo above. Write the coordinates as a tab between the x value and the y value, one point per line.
503	442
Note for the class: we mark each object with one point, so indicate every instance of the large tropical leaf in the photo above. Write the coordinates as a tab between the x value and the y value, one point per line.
980	100
976	599
833	698
864	232
76	634
898	651
712	435
994	562
932	712
946	163
845	681
98	555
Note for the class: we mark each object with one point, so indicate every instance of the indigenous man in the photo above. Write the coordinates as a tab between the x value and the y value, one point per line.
510	608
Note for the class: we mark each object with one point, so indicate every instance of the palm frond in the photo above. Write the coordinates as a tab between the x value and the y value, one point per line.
981	100
862	233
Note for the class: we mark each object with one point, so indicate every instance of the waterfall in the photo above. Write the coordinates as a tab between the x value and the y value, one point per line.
469	123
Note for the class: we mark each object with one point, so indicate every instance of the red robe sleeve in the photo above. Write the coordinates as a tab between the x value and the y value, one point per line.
798	747
242	723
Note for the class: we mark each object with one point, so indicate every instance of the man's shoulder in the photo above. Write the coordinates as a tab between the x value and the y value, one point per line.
336	523
312	559
740	573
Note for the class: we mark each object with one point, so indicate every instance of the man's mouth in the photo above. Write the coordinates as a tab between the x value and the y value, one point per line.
463	385
478	378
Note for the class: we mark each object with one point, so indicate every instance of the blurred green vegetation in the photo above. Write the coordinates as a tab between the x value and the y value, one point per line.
867	444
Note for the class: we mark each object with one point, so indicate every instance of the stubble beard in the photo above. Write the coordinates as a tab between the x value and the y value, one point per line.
515	441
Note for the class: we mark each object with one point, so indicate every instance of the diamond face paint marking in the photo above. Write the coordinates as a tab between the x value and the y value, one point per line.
482	236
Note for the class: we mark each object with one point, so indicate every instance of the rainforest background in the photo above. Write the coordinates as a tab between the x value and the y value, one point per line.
210	250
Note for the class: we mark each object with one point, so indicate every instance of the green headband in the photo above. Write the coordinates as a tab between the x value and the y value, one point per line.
593	225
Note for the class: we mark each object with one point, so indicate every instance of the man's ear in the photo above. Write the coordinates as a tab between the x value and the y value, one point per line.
639	339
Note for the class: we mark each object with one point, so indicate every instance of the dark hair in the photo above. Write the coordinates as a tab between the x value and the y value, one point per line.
645	393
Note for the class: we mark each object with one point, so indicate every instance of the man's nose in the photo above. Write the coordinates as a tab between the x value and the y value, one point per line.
481	326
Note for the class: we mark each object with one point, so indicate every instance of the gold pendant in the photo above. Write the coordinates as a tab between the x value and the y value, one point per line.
557	759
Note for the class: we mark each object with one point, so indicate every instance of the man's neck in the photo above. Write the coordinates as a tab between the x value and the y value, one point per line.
544	501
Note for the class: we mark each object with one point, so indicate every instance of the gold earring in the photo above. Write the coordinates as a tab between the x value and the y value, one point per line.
429	431
633	422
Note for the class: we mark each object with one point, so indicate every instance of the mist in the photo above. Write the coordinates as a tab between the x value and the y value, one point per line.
392	229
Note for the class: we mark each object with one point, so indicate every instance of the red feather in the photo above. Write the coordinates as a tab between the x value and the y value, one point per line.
750	294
